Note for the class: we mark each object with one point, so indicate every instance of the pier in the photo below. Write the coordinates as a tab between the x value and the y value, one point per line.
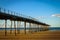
17	18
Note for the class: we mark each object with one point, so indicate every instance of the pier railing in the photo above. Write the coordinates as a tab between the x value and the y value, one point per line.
16	14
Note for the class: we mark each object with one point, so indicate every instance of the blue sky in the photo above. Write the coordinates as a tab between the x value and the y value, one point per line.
39	9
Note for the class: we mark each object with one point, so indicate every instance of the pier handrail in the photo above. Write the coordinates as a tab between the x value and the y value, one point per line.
16	14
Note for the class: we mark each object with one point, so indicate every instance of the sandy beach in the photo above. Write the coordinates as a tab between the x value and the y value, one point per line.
43	35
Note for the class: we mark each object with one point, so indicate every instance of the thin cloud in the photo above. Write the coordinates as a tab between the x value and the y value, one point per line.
41	17
56	15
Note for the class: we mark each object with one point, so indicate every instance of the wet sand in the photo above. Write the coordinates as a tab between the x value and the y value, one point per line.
43	35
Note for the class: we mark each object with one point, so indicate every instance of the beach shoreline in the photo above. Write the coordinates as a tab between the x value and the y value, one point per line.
43	35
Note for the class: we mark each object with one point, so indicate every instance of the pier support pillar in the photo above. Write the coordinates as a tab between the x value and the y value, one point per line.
37	27
33	27
18	26
5	26
15	27
25	27
41	27
30	27
11	27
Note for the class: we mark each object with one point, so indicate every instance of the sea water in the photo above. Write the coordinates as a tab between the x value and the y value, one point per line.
51	28
54	28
